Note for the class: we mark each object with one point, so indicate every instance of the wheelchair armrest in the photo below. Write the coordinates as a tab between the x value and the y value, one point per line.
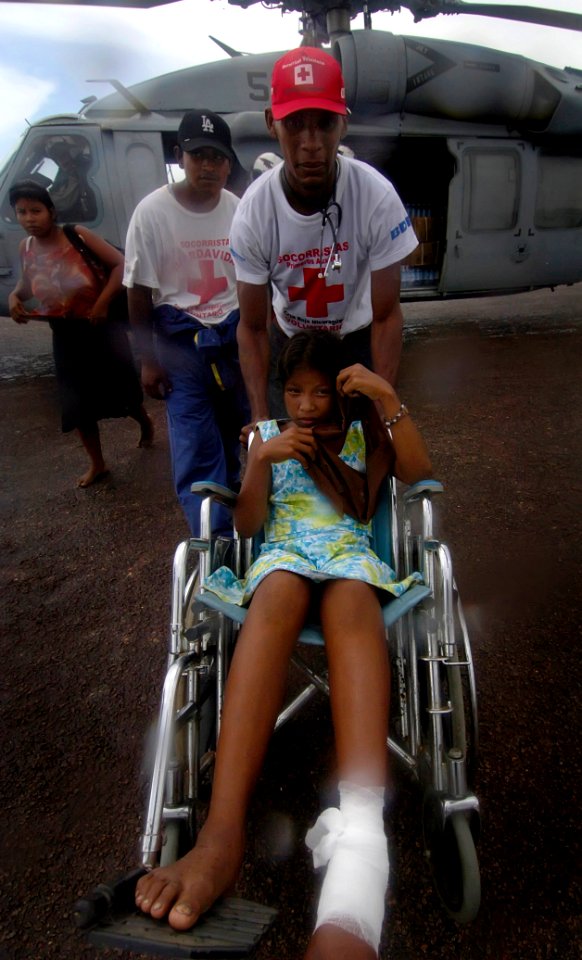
207	488
420	489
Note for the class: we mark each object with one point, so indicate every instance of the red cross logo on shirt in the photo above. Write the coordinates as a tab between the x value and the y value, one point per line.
208	285
315	293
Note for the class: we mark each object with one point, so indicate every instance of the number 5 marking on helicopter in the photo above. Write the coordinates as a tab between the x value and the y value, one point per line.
258	85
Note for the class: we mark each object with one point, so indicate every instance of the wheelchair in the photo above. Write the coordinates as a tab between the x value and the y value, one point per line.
433	723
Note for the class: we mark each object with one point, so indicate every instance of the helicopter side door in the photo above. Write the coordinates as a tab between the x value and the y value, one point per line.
555	227
488	248
136	160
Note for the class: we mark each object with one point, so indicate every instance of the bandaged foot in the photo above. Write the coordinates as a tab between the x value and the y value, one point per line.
352	842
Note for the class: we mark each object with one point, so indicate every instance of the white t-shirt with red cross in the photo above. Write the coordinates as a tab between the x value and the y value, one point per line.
182	256
270	241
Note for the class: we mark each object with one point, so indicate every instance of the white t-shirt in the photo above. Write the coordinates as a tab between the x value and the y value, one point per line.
184	257
270	241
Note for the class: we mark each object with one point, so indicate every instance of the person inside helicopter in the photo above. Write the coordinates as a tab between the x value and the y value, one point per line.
70	190
318	240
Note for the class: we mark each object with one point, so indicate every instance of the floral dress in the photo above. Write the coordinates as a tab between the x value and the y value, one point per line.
305	535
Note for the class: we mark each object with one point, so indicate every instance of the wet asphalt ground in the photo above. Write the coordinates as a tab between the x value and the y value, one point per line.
496	387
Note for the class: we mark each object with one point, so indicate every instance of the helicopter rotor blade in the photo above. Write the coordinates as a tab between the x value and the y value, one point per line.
224	46
522	13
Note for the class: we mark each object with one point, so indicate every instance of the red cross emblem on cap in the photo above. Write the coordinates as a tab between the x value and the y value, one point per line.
208	285
316	293
303	74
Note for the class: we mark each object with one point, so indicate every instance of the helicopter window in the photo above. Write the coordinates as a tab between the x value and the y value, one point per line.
174	172
62	163
47	168
5	164
493	185
559	193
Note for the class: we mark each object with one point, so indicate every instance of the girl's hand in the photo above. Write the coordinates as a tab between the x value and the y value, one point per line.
98	313
357	379
17	309
294	443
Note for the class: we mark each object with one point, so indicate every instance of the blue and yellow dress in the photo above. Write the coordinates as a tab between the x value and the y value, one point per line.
305	535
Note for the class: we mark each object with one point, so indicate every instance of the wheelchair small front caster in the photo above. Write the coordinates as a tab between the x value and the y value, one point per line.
106	899
450	850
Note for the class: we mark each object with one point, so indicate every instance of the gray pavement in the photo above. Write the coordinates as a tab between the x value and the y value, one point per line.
86	589
25	351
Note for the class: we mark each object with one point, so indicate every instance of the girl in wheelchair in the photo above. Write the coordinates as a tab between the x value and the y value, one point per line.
312	482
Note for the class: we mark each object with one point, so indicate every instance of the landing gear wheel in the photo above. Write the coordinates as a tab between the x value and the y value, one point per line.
450	849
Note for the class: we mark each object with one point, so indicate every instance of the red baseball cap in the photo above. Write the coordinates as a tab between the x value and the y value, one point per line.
307	79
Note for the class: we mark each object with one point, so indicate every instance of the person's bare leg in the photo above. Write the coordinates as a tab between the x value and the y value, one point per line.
255	689
91	441
332	943
359	677
146	437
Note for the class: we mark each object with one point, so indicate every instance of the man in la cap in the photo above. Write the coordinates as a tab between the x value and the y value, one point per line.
183	306
320	237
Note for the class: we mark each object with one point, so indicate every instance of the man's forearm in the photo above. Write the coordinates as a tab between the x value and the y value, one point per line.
386	345
254	350
140	308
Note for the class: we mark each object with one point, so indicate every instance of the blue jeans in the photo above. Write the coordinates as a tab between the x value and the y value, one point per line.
206	408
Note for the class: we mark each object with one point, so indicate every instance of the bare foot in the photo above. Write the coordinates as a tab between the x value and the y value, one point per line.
333	943
93	475
146	439
186	889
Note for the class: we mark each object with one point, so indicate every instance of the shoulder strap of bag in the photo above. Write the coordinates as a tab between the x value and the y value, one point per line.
90	258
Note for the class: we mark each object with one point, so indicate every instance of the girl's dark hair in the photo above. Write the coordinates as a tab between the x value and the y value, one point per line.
30	190
314	349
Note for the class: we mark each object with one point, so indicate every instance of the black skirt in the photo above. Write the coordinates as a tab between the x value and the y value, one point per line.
96	372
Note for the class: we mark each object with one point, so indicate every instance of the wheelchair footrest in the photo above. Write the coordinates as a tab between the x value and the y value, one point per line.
232	928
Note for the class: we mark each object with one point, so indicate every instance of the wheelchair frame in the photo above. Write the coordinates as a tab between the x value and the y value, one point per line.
434	721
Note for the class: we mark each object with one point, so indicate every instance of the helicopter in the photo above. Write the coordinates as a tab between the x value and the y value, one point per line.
484	147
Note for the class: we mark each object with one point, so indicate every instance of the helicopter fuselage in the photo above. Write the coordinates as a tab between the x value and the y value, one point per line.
484	147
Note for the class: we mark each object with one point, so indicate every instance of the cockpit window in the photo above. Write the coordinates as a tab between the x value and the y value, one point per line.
62	163
4	164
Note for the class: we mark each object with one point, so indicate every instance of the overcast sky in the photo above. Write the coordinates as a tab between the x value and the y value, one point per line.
48	52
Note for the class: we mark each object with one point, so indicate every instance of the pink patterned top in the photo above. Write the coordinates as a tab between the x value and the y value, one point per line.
61	281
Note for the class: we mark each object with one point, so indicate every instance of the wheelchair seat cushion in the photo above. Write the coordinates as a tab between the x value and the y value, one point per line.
305	535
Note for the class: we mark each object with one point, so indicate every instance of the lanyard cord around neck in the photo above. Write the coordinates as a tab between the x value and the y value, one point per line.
332	207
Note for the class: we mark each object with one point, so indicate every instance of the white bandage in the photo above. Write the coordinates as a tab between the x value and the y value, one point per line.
352	842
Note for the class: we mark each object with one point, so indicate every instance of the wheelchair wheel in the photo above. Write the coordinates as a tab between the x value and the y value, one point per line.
458	719
466	691
207	693
180	834
452	856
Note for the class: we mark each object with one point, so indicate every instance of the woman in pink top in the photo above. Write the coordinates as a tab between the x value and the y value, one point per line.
94	365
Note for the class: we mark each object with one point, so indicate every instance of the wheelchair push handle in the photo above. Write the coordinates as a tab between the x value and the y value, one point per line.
218	492
422	488
107	898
